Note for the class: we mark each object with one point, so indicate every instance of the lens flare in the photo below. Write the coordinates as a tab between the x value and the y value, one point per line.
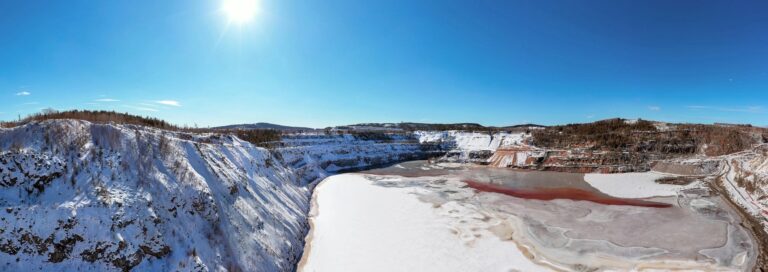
239	11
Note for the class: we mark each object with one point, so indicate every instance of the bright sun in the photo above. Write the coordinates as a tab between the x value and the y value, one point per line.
239	11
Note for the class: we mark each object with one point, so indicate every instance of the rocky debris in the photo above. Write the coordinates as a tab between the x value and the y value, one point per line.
470	156
31	172
677	180
691	167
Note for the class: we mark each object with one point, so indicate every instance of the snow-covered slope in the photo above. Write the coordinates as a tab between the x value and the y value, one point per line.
742	177
311	155
471	146
91	197
745	180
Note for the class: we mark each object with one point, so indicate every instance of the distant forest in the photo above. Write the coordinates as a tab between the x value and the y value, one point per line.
256	136
644	136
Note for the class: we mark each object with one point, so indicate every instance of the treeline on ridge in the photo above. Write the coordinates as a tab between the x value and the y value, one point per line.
468	127
255	136
643	136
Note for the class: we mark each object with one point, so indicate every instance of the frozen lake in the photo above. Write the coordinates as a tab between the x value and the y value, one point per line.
416	216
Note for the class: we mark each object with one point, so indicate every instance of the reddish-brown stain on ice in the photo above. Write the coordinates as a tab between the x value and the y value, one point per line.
563	193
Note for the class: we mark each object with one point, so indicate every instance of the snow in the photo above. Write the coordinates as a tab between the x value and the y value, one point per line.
633	185
359	226
146	199
465	146
661	126
155	200
312	155
743	177
472	141
100	195
743	169
373	222
631	121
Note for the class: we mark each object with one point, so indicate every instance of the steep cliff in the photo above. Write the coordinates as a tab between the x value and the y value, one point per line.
474	147
104	197
620	145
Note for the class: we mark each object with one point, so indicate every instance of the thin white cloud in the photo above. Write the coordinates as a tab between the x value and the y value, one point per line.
590	116
169	103
749	109
141	108
107	100
23	93
654	108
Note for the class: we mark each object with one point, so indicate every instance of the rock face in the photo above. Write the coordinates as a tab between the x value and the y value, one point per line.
311	155
90	197
513	150
608	146
575	160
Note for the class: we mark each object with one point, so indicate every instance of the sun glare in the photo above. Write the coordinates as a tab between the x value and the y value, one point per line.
239	11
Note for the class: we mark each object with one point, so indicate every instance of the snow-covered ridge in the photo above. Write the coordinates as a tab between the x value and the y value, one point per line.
472	141
745	180
312	155
93	197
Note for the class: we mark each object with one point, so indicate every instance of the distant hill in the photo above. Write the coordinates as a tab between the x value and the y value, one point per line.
430	126
529	125
262	125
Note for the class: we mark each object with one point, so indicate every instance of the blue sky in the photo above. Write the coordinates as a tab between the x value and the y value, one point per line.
334	62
